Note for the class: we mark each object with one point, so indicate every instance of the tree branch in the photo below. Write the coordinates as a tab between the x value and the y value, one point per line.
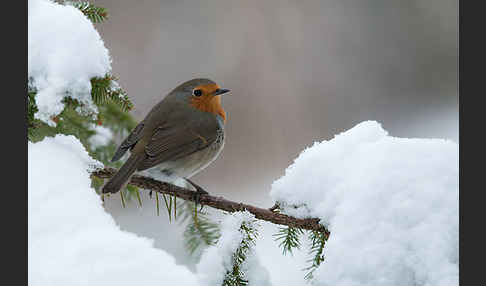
221	203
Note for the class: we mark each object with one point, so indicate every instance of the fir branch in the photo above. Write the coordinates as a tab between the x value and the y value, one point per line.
95	14
112	103
32	123
151	184
289	237
38	129
318	241
71	122
236	277
31	107
104	89
200	231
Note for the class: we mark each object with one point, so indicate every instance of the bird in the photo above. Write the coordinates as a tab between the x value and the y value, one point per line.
180	136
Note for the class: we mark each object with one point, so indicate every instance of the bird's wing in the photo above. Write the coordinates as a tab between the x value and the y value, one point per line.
130	141
170	142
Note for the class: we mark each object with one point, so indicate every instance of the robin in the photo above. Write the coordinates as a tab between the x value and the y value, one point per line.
181	135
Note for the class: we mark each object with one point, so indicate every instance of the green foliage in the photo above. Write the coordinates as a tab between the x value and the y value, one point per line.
113	106
104	89
200	231
33	134
69	122
31	106
236	277
95	14
289	237
318	241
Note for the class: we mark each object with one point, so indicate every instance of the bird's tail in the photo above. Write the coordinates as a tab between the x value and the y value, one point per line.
124	173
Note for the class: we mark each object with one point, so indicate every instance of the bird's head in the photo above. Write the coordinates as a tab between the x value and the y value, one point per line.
202	94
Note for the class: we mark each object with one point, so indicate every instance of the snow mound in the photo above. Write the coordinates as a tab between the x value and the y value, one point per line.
72	240
64	53
217	259
391	204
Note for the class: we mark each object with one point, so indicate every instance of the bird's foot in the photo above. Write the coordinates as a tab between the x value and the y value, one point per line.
197	195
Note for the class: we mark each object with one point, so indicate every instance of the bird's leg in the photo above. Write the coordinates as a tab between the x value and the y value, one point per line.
199	191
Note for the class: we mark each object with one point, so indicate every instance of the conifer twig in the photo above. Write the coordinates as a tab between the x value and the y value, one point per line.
221	203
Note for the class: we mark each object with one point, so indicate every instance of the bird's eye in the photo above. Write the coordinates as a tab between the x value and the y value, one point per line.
197	92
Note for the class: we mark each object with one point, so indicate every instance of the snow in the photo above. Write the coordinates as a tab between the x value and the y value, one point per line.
102	137
217	260
64	53
255	271
71	239
390	203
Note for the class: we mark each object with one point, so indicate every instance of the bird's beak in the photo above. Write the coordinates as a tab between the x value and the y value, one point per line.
220	91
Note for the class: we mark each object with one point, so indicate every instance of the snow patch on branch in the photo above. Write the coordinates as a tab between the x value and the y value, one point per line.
64	53
390	203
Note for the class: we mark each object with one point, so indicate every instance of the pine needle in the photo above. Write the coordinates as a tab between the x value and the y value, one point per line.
200	233
157	202
318	241
168	206
195	214
94	14
175	207
138	197
289	237
122	199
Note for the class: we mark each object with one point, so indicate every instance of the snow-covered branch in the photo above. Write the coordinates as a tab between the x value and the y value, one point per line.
217	202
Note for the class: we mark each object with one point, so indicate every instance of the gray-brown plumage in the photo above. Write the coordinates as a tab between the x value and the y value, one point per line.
181	135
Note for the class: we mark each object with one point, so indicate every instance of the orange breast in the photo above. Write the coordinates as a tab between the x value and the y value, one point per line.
207	102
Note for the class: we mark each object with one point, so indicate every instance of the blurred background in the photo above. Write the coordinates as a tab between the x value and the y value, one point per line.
299	71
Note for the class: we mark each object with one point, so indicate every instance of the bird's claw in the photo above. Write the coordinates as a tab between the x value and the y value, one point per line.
197	195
